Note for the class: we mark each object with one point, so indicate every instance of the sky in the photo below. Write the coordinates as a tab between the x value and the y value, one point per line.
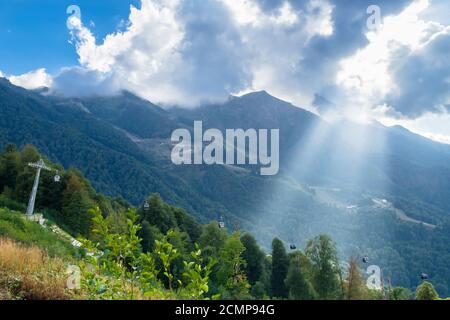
335	58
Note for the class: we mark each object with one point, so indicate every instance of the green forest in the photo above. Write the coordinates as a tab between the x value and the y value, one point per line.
156	250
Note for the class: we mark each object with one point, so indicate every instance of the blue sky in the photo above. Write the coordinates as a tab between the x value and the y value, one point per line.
34	33
191	52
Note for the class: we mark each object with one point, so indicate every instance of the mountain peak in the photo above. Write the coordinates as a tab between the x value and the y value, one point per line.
262	98
4	81
260	94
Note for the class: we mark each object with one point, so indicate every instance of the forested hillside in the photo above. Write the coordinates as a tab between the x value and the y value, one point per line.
329	182
69	135
156	251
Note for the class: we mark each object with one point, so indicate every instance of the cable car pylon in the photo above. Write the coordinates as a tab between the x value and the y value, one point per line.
39	166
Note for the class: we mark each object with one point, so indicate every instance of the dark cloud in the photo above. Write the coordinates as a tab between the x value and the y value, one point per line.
211	54
322	55
423	79
212	50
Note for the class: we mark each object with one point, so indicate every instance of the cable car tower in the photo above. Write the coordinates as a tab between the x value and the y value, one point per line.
39	166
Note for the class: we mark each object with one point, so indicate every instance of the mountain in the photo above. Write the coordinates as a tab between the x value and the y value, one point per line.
122	143
70	134
381	191
128	112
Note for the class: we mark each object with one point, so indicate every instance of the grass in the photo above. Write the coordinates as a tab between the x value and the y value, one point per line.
27	272
15	226
33	260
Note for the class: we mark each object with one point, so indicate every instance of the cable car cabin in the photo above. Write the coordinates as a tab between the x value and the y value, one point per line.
221	225
424	276
146	206
293	247
365	259
57	178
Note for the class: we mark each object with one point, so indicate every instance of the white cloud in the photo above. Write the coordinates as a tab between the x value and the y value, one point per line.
145	57
32	80
81	82
286	15
368	77
319	18
248	13
150	40
189	52
276	42
1	74
179	52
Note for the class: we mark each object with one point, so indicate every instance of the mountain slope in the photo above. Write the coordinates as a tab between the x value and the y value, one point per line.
330	173
121	143
70	135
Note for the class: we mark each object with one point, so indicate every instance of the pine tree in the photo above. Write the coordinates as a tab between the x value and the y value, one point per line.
159	214
149	234
9	167
280	264
25	178
75	205
297	285
49	192
28	154
254	258
259	290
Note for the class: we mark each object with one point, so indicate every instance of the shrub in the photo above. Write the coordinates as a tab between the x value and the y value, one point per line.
11	204
426	291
